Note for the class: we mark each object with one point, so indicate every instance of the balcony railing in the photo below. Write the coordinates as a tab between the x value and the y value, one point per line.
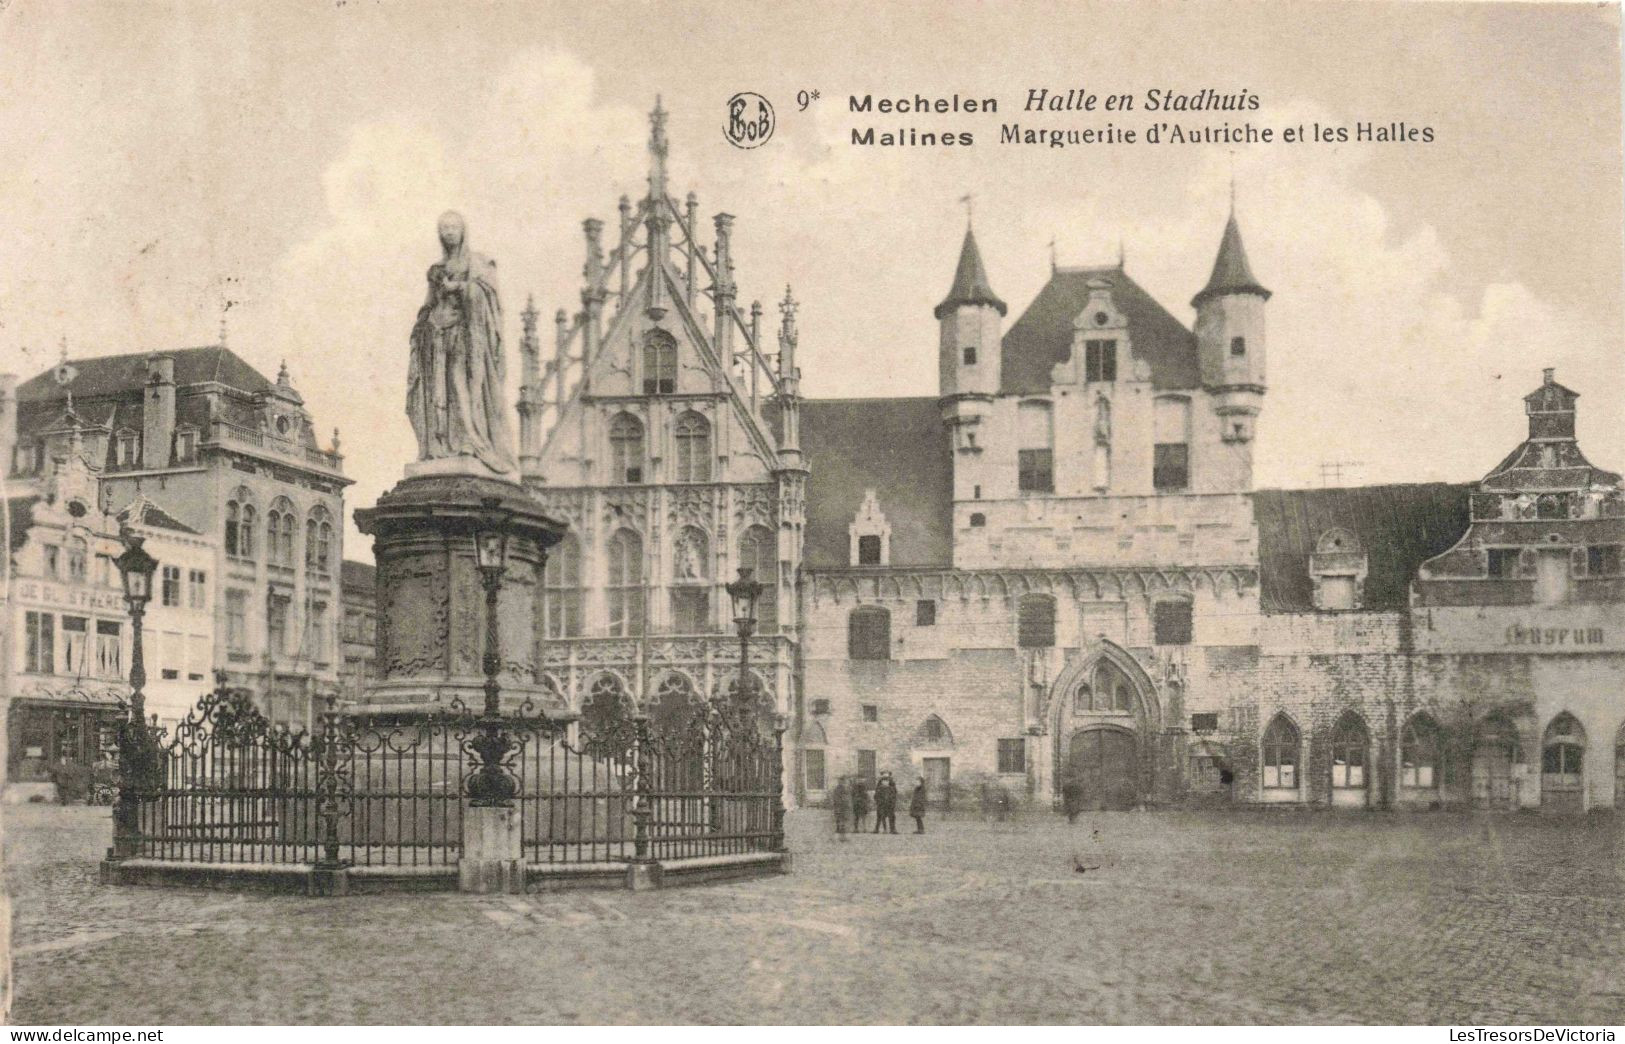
227	433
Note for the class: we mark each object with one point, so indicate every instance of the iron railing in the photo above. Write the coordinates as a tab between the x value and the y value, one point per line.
230	787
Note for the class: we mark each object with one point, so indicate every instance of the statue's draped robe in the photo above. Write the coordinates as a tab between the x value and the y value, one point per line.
456	378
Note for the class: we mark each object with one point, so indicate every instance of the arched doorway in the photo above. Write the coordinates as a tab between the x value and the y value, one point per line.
1102	711
1103	762
1495	751
1562	759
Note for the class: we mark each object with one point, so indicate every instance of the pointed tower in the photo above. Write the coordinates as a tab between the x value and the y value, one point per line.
1230	339
970	318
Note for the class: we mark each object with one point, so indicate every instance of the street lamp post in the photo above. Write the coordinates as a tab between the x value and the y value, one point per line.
135	568
490	784
744	592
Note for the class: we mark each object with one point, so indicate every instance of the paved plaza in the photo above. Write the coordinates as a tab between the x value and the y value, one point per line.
1293	917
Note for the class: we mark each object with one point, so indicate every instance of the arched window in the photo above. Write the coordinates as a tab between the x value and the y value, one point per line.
1280	753
1083	698
625	583
659	363
1035	622
625	449
690	586
868	633
279	528
319	541
240	523
759	552
693	434
1349	743
561	589
1112	690
1419	753
245	533
933	732
1564	748
288	529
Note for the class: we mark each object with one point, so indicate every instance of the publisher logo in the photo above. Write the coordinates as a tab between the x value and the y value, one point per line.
750	120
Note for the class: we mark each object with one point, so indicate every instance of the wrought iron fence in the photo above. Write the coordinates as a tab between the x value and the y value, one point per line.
230	787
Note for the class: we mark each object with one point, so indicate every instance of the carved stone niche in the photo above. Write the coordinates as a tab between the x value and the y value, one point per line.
431	605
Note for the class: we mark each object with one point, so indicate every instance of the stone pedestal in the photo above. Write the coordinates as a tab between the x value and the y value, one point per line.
493	853
431	606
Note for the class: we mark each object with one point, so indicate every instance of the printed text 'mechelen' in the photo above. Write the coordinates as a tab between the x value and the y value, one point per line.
920	103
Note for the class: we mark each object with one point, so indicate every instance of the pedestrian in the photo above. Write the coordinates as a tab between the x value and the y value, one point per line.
886	804
842	800
916	806
1072	797
860	804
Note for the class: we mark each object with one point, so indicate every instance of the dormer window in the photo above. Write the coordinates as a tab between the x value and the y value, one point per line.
1338	570
128	447
185	445
869	534
1238	346
1100	360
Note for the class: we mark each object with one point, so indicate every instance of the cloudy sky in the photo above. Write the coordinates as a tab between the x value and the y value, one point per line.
294	157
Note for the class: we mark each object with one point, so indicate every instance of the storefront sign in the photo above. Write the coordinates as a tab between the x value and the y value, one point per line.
65	597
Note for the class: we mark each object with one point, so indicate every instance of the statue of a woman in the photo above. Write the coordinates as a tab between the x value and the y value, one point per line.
455	381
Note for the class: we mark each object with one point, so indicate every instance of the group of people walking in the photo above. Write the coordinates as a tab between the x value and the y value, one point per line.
852	804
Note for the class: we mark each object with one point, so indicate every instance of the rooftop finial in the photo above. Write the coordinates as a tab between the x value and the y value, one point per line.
282	374
64	344
1548	375
1122	253
969	199
658	147
1052	262
223	330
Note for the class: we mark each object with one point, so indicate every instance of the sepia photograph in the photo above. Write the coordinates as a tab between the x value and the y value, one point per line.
891	514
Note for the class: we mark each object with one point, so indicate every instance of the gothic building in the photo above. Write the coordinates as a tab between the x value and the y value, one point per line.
1028	583
1055	574
664	431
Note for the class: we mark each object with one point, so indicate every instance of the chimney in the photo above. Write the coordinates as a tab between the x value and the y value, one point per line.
158	412
8	418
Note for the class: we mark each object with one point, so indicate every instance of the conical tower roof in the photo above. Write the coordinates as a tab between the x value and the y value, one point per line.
970	281
1231	273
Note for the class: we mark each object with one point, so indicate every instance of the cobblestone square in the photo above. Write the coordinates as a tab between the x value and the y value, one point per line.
1244	917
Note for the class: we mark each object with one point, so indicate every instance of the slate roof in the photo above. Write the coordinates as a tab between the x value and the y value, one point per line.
1231	272
1399	527
897	447
113	374
150	514
971	285
1042	336
357	577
